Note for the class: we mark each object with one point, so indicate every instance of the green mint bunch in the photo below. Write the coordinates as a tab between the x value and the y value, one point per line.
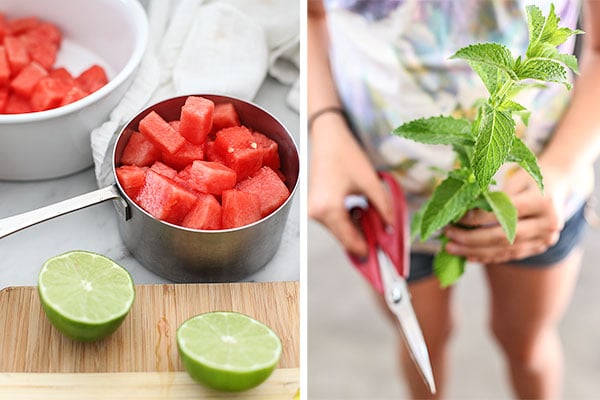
483	145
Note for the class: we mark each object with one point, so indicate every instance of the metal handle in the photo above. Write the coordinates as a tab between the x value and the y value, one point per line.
15	223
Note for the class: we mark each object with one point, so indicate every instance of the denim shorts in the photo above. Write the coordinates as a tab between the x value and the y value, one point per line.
421	264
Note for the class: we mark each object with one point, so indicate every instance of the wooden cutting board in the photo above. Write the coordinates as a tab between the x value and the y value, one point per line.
146	340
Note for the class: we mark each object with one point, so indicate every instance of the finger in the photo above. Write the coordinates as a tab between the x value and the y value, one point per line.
477	217
380	199
527	229
498	254
343	228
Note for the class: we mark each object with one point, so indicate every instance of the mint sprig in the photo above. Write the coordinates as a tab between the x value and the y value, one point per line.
483	145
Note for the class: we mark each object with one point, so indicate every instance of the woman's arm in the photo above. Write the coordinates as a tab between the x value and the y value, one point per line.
339	166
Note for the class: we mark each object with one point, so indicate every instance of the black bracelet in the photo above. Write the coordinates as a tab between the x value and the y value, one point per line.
317	114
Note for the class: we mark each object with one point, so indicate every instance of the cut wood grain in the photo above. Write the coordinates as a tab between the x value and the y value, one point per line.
146	340
282	384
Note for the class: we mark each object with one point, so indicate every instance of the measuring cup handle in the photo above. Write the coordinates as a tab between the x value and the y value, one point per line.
15	223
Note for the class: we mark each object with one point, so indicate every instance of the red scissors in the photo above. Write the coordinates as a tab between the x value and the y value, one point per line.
387	266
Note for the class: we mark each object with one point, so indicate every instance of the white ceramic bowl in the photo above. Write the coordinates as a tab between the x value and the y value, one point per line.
54	143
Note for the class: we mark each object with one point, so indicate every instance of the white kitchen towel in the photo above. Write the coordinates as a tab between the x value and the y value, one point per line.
221	46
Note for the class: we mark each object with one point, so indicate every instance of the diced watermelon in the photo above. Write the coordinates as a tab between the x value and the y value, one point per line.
196	119
160	133
268	187
270	150
3	98
139	151
48	93
92	78
41	50
175	124
3	26
210	154
131	178
163	169
164	199
62	74
183	157
74	94
206	214
225	116
208	177
26	80
16	104
4	67
17	26
46	31
238	148
239	208
16	53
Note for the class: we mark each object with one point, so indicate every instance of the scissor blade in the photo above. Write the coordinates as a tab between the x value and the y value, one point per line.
397	298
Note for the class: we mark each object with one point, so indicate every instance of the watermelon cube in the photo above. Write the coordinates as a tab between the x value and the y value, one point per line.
210	154
160	133
17	26
46	32
270	150
4	67
131	178
239	149
74	94
48	93
92	78
164	199
40	50
196	119
267	185
239	208
208	177
163	169
16	104
26	80
139	151
206	214
175	124
3	26
16	53
225	116
184	156
3	98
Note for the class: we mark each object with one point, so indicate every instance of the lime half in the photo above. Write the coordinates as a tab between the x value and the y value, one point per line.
85	295
228	351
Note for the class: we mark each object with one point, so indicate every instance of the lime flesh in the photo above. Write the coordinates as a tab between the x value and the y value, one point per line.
85	295
228	351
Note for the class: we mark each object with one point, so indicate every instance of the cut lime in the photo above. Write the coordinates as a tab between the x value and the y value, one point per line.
85	295
228	351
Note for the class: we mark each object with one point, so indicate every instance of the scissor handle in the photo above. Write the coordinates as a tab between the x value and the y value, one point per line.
369	266
393	240
399	240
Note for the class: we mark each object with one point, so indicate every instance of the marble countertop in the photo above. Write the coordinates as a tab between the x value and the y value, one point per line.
95	228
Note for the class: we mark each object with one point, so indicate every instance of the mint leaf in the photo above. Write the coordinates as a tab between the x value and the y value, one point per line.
522	155
505	211
490	54
545	30
415	223
493	143
493	77
447	203
481	203
544	70
437	130
448	267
